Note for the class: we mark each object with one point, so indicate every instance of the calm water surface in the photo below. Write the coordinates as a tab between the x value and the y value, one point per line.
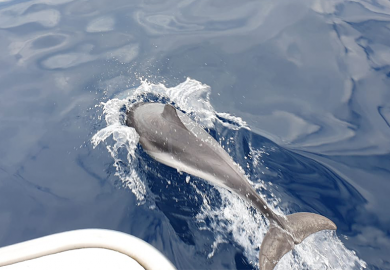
298	92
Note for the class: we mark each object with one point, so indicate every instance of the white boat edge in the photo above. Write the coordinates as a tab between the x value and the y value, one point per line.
143	253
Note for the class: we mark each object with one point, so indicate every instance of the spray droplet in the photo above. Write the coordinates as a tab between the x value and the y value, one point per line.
188	179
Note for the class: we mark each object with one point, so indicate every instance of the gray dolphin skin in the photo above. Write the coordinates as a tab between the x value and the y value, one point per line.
172	138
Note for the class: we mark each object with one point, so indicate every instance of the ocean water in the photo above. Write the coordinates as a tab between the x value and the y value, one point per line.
297	93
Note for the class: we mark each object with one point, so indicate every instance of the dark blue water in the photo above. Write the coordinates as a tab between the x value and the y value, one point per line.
296	92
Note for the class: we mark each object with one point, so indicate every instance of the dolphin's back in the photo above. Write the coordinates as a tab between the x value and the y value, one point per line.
175	140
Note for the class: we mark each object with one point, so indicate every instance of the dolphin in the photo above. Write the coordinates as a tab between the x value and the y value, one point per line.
172	138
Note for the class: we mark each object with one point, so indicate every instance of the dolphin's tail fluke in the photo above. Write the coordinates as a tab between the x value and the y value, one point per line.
279	241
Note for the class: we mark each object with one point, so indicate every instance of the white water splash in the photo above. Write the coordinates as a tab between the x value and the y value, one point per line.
124	137
322	250
238	122
233	217
190	95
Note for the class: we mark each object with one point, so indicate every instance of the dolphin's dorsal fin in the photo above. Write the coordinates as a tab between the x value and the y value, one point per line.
170	114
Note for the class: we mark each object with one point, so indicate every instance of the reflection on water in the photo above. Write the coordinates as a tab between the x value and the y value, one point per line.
312	76
103	24
30	12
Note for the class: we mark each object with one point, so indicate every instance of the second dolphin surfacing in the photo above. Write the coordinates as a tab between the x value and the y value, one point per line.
172	138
